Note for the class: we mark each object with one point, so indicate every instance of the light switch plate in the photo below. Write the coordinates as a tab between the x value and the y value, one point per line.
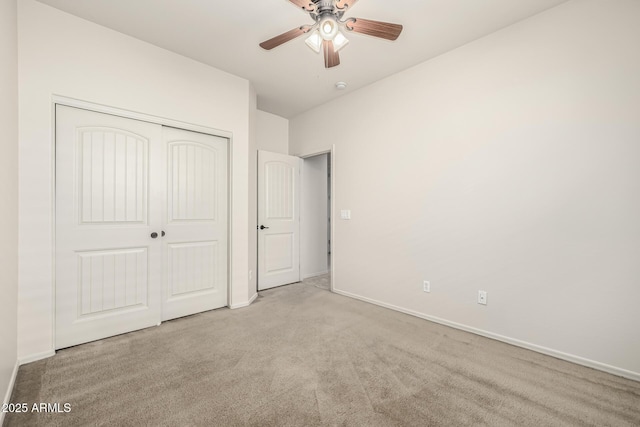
482	297
345	214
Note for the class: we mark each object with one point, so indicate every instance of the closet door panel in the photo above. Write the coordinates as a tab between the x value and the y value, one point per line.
108	267
195	244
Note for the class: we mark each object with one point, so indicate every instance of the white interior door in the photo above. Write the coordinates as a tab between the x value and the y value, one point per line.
109	196
278	219
195	244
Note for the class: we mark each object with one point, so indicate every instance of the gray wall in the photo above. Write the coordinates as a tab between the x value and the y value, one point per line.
508	165
314	217
8	193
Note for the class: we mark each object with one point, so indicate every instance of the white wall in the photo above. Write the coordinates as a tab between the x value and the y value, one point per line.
508	165
253	195
272	133
63	55
314	217
8	194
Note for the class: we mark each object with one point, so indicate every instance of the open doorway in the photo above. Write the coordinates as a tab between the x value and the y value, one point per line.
315	221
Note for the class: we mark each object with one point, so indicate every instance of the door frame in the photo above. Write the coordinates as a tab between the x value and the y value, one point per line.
128	114
332	155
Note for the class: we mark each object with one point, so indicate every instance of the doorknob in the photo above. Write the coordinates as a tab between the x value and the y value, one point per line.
262	227
154	235
163	233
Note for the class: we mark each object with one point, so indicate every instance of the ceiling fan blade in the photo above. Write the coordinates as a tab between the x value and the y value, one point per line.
383	30
345	4
307	5
284	37
331	57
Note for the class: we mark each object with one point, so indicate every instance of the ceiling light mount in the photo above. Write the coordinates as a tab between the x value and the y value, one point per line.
341	85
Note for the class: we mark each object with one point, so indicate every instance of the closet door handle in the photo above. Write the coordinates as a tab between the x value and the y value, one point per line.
154	235
262	227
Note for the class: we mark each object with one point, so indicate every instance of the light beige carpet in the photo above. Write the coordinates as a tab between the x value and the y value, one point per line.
302	356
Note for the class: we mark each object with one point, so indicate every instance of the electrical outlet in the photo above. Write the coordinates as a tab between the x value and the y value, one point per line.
426	286
482	297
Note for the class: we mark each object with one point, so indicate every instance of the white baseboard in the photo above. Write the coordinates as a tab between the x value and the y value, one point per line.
310	275
7	395
244	304
540	349
35	357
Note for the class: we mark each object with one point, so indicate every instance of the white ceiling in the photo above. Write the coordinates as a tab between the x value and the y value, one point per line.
291	78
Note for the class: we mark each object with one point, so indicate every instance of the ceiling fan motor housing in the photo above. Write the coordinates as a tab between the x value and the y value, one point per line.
324	6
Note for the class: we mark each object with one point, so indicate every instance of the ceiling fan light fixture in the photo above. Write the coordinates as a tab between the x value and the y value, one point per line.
314	41
339	41
327	33
328	28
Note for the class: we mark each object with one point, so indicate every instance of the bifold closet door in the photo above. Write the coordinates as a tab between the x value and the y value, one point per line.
195	244
109	194
141	224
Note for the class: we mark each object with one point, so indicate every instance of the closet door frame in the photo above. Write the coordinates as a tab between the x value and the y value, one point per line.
89	106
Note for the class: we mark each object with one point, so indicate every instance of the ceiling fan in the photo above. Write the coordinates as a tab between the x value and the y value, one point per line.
325	33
